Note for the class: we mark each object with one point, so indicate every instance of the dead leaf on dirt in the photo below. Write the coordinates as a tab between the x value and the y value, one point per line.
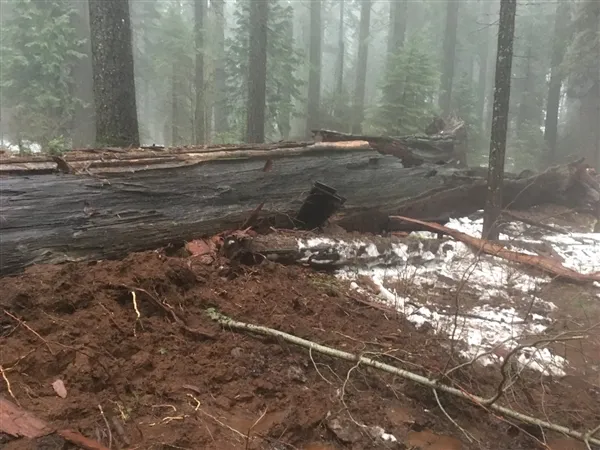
543	263
59	388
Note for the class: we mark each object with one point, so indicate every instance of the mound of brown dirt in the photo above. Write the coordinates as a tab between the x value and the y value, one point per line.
167	377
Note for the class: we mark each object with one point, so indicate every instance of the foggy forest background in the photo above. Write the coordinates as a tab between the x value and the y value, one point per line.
371	66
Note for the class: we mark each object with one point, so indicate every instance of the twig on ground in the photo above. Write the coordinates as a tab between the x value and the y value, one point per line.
502	387
316	368
224	425
469	437
589	435
107	426
8	387
252	427
22	322
168	310
227	322
137	311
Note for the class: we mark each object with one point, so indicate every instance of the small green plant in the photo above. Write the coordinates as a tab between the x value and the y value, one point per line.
57	146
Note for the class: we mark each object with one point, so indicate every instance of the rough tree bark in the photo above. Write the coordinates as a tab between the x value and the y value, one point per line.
314	73
361	67
506	34
561	22
112	62
122	202
220	105
199	114
447	77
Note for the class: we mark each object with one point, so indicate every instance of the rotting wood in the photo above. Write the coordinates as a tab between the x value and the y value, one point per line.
230	324
19	423
446	144
55	218
135	160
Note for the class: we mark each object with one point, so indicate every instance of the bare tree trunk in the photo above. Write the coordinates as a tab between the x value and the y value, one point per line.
314	74
257	77
561	23
339	87
504	57
397	32
199	115
445	101
524	114
84	132
220	106
483	55
361	67
175	139
114	84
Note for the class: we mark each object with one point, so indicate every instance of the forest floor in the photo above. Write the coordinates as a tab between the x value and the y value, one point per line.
144	376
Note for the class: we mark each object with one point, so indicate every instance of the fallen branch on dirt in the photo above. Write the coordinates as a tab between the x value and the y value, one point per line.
229	323
543	263
197	333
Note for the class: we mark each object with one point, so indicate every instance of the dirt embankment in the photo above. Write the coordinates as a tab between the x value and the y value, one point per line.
164	384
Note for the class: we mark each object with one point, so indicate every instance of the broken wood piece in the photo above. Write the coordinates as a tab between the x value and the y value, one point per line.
443	143
546	264
322	202
17	422
20	423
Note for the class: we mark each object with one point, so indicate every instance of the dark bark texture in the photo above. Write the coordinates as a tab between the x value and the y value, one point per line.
113	203
504	56
112	62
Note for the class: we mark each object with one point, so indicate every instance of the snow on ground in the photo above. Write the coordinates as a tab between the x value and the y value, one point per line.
486	329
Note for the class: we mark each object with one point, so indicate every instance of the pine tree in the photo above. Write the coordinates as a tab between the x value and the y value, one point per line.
409	86
40	52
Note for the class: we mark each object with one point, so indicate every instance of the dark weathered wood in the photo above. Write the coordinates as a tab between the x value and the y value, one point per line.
52	218
445	145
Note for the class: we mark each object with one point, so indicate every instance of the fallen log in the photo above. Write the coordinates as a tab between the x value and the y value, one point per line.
445	142
103	210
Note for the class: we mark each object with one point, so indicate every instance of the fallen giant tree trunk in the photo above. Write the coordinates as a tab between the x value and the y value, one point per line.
109	204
